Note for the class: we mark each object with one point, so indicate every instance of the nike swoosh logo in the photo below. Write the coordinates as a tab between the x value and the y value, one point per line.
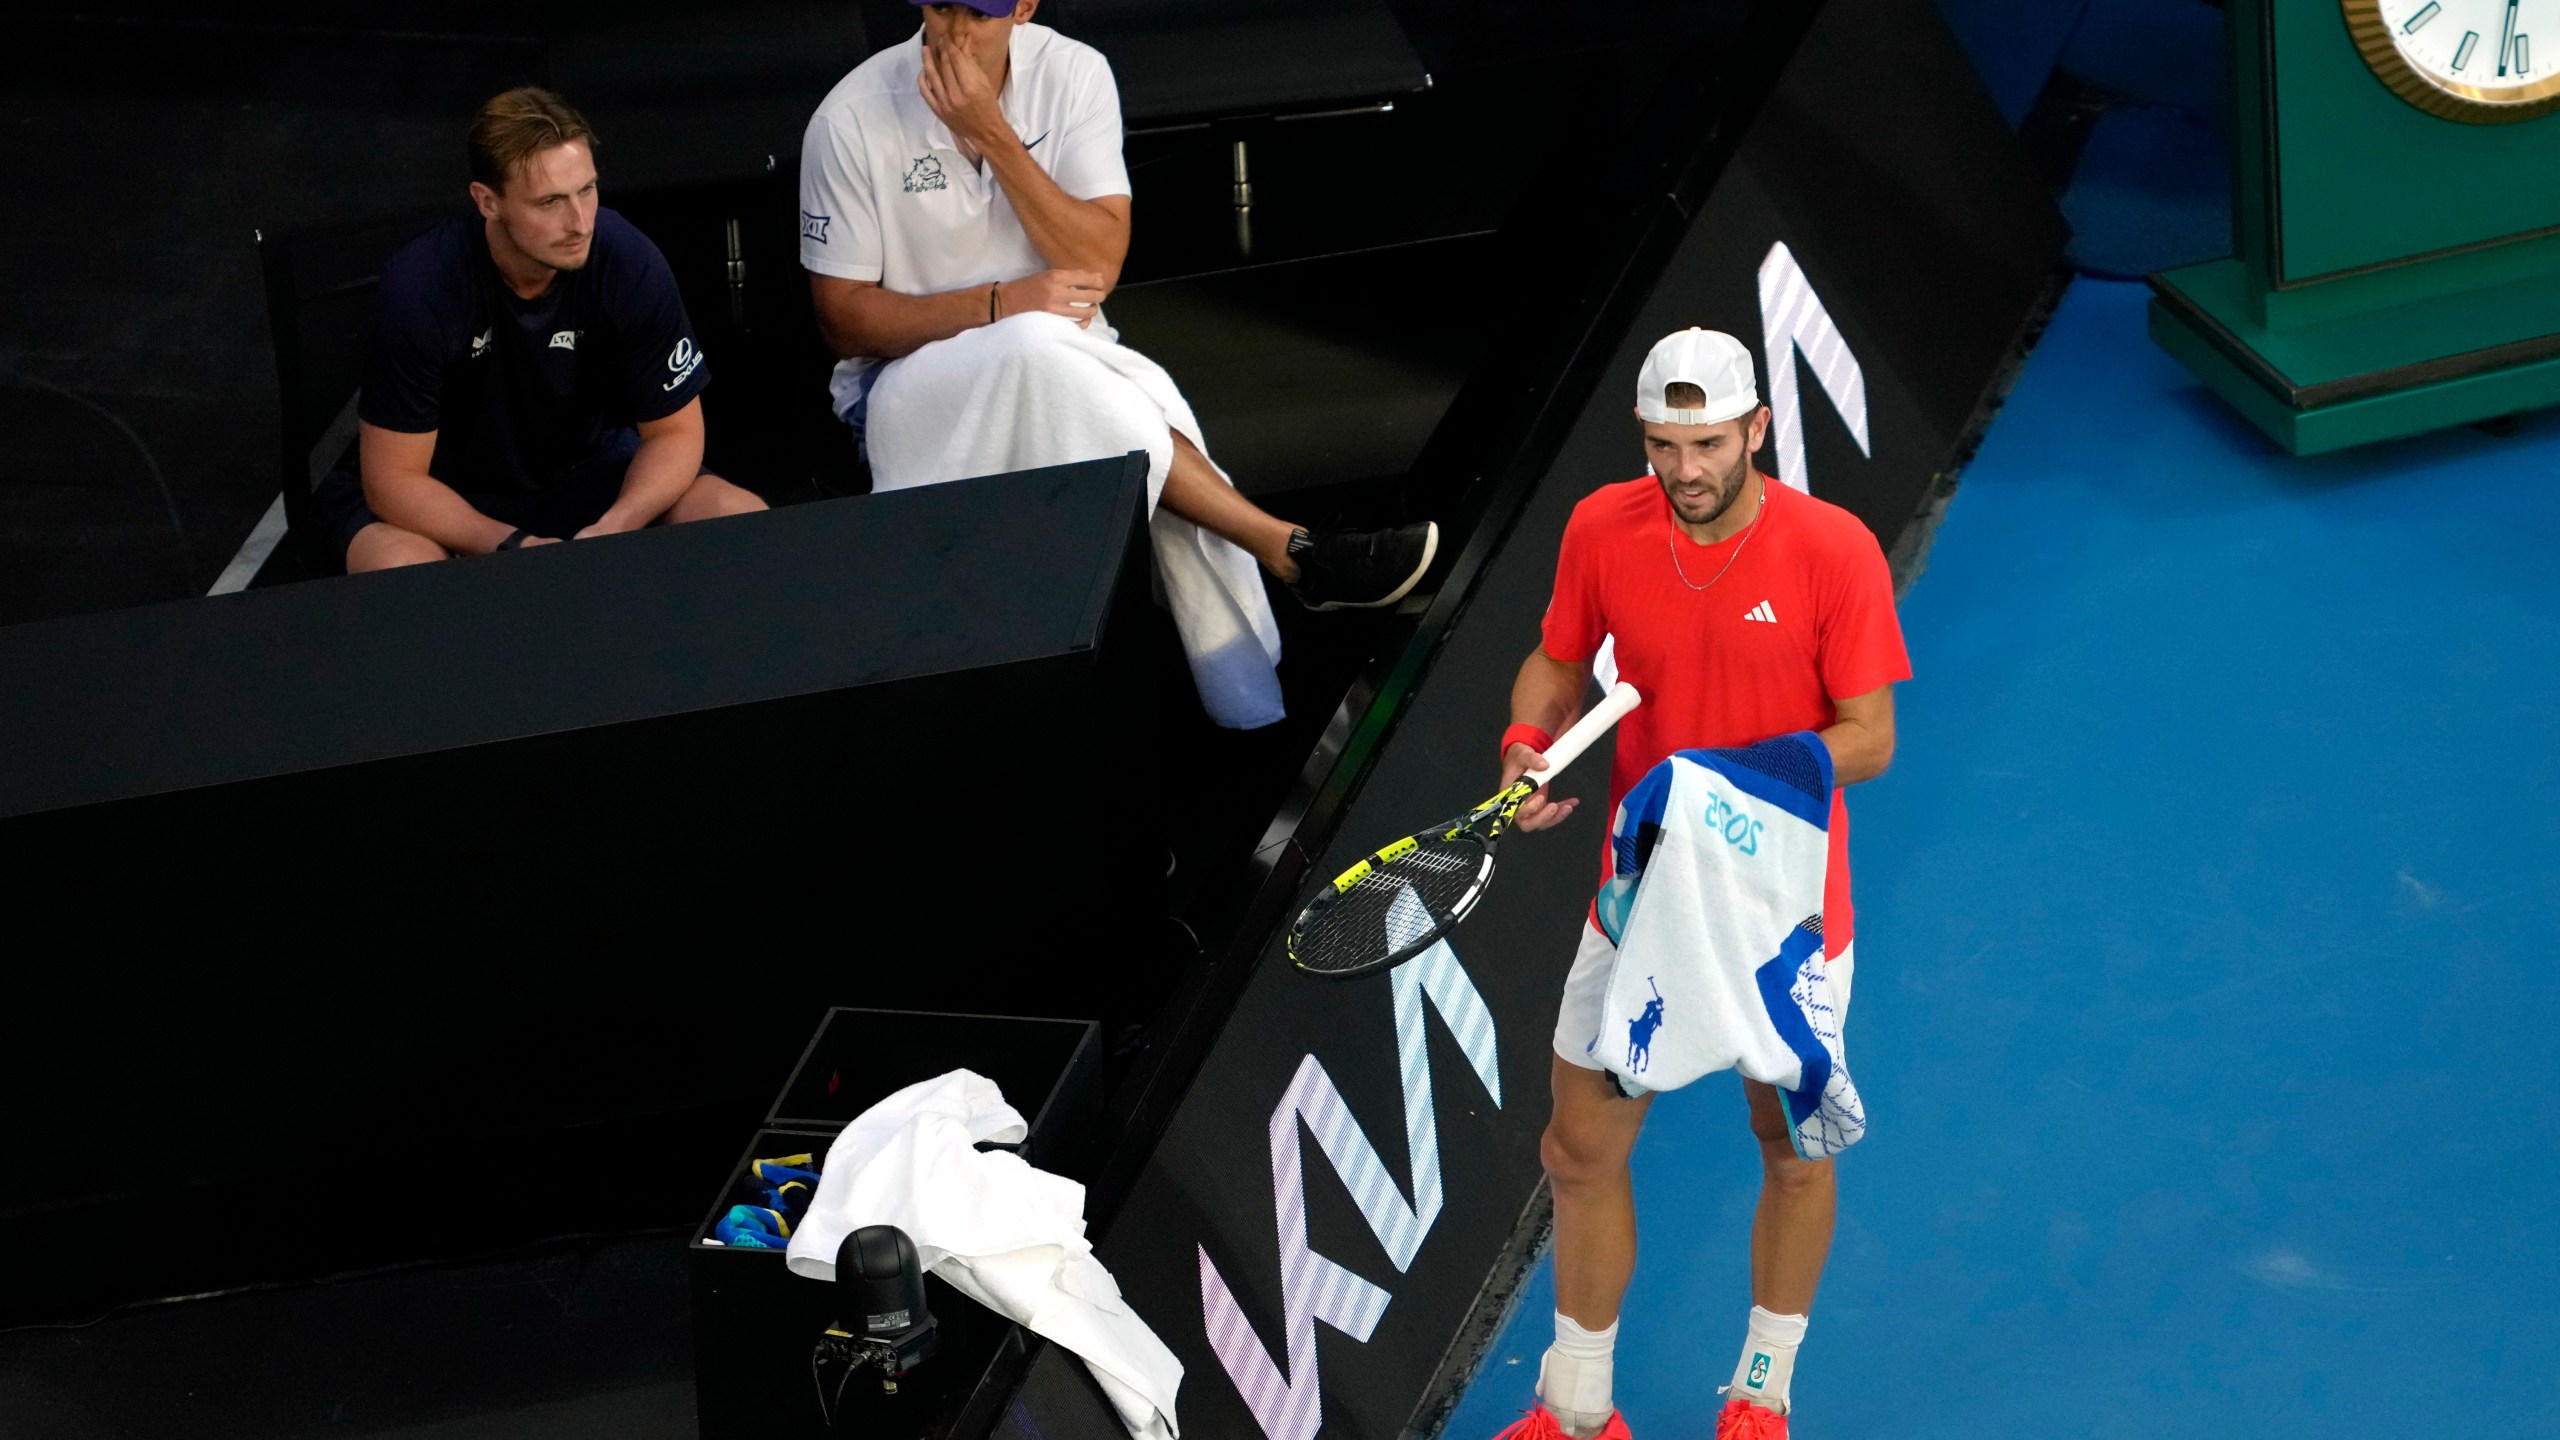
1034	144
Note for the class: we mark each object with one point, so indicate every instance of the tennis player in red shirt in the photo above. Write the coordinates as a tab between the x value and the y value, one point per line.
1742	610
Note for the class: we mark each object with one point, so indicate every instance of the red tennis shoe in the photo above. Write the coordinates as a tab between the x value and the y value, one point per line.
1541	1424
1743	1420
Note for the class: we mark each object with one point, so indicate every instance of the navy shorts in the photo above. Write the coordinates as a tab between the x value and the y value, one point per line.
574	500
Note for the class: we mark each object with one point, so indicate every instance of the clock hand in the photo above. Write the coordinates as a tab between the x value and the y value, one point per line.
2507	44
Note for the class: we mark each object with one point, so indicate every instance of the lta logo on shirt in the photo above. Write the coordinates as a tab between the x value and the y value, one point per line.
926	174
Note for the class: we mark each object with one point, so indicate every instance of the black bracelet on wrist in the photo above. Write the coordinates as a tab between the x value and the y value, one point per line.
512	541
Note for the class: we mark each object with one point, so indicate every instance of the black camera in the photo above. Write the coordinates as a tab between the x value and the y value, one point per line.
883	1324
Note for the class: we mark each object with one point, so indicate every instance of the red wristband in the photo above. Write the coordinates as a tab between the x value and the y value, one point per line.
1529	735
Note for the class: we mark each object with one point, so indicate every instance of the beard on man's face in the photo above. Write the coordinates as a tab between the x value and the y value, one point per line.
555	253
1708	508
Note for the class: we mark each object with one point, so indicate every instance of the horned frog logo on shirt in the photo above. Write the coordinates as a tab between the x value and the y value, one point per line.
926	174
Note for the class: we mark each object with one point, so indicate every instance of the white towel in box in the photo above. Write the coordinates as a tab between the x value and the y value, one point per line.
1000	1232
1035	390
1715	905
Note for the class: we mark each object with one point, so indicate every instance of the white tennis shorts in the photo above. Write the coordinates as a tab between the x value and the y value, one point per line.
1586	993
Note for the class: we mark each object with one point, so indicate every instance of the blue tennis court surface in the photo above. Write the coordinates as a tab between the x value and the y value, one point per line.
2206	1005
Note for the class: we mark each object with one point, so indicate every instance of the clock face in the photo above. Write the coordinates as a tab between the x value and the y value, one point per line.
2485	61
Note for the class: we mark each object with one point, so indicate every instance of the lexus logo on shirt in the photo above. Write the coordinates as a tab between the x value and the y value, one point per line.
683	360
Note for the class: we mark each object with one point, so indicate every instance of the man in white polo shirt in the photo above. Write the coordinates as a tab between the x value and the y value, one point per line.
972	176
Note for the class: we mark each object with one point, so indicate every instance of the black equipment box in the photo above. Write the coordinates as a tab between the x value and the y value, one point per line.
755	1323
1050	1070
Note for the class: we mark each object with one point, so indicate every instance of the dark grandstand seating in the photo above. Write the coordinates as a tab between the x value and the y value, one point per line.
319	292
1181	61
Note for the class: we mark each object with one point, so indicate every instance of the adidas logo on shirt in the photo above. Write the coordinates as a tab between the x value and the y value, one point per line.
1761	612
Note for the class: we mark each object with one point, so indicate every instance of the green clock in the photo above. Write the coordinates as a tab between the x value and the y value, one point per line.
2396	221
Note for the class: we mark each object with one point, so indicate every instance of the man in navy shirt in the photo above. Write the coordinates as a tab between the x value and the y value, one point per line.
532	376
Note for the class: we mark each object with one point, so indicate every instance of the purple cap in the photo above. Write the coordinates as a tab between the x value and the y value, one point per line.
997	8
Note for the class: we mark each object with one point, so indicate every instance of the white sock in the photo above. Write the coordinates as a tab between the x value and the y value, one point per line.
1573	1379
1768	1359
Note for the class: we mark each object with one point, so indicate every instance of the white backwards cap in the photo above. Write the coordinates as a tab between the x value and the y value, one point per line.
1709	359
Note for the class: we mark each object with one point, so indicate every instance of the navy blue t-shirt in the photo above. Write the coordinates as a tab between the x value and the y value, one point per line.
516	390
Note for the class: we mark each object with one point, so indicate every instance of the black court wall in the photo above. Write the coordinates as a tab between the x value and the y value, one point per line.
1322	1232
448	909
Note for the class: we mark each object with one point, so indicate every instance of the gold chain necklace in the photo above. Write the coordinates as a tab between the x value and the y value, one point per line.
1759	507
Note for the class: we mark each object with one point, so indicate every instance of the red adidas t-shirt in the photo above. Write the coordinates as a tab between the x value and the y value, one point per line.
1804	615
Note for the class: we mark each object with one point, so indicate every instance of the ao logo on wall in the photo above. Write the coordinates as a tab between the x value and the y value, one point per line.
1289	1404
1793	322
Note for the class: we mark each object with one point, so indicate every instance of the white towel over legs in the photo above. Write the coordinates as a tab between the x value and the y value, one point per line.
1034	390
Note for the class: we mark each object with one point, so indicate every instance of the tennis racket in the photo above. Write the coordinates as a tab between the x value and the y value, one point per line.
1392	906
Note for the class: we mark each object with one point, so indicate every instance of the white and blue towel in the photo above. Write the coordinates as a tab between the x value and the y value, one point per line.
1715	906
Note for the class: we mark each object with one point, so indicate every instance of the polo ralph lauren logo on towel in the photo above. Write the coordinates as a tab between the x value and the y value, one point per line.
1640	1033
926	174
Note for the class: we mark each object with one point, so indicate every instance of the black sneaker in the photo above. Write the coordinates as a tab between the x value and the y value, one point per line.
1361	569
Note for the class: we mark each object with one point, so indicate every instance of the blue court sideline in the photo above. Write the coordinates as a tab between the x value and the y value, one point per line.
2206	1005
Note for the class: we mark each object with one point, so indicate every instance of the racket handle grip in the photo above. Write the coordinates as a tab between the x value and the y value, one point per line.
1622	697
